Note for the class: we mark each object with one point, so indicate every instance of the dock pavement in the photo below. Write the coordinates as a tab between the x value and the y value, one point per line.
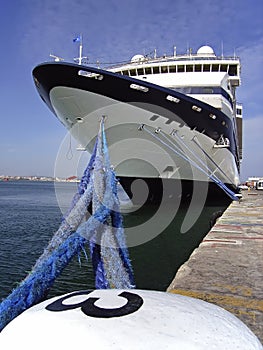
227	267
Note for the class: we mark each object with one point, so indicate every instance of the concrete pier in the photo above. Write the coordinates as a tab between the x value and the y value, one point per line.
227	267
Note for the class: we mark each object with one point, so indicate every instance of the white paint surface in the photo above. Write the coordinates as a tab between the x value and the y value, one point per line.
164	321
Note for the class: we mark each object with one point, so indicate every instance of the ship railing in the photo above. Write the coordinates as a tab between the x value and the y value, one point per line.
163	59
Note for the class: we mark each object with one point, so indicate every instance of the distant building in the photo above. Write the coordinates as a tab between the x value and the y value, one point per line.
72	179
252	181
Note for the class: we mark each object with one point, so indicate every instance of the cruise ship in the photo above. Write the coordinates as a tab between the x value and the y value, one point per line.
172	121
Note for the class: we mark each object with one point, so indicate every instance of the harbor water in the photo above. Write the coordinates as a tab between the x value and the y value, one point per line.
30	214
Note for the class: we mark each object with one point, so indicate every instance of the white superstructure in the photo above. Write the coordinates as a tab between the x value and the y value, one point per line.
204	76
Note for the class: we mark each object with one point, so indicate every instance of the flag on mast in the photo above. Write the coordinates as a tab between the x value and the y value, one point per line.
78	39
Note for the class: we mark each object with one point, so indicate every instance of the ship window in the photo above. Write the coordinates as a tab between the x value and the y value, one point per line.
198	68
154	117
208	90
239	111
164	69
223	68
180	68
88	74
156	70
148	70
212	116
189	68
132	72
125	72
140	71
196	108
232	69
215	67
139	87
172	69
172	99
206	68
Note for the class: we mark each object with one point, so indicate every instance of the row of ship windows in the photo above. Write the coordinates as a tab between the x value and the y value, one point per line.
231	69
205	90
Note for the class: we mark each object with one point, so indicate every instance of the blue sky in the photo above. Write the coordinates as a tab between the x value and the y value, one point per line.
115	30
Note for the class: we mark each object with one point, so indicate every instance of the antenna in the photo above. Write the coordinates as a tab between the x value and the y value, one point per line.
222	49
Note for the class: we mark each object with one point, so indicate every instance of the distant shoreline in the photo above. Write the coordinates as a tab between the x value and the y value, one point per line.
38	178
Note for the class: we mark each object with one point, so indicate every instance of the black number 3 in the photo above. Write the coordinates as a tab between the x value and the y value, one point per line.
88	307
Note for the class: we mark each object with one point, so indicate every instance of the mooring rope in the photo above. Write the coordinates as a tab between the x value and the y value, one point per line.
198	159
174	148
195	140
103	231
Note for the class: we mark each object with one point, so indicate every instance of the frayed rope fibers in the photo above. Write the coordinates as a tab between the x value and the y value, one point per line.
103	231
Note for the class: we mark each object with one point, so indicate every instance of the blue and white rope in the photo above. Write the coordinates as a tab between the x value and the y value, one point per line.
103	231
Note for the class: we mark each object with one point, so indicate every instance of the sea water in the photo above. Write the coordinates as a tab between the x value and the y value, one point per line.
30	214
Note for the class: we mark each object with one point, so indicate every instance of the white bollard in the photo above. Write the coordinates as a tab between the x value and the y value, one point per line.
127	319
